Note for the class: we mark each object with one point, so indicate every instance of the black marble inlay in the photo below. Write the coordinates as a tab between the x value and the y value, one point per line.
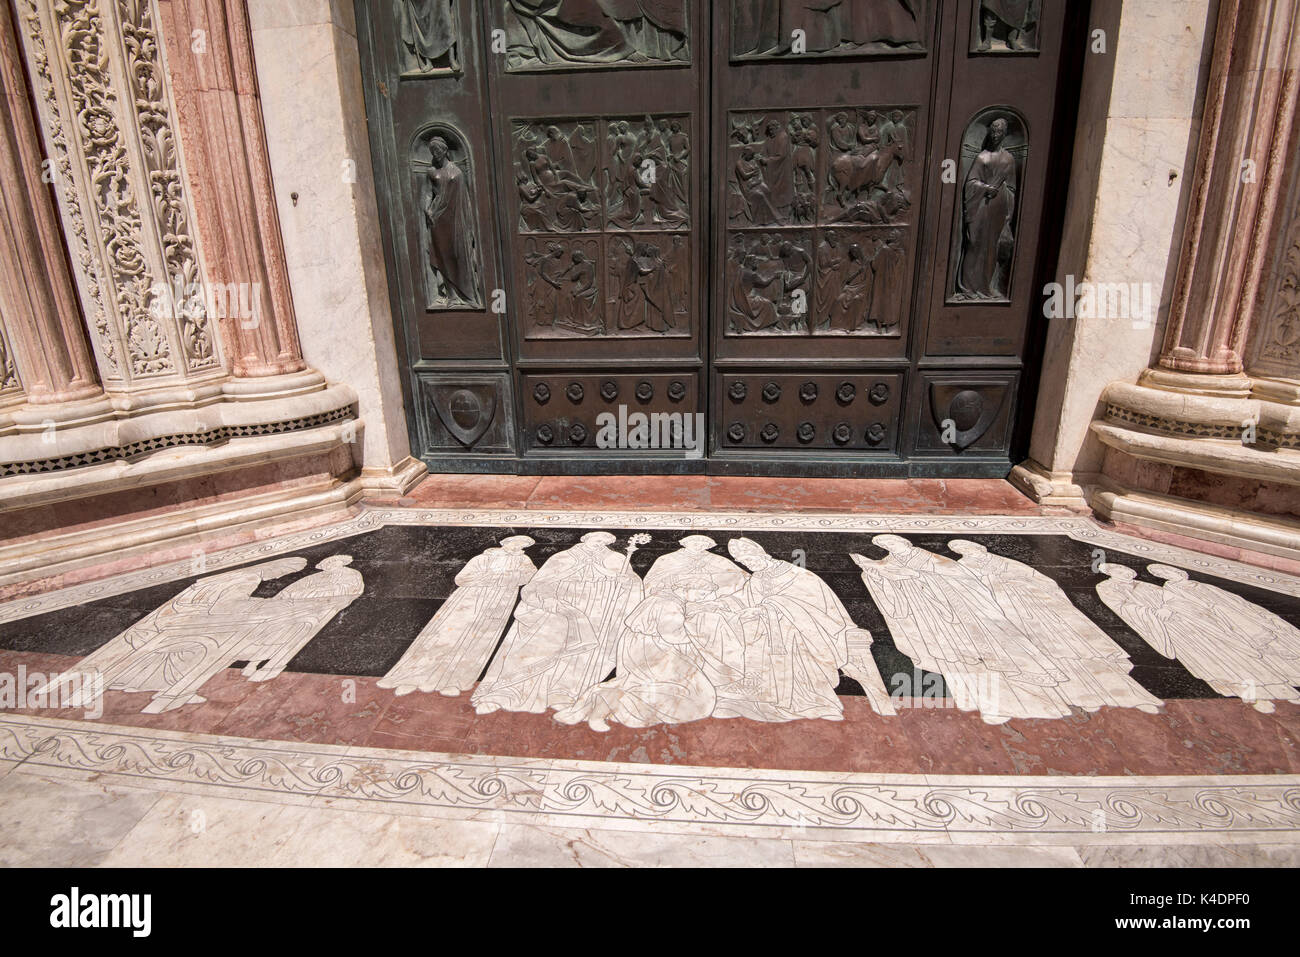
410	570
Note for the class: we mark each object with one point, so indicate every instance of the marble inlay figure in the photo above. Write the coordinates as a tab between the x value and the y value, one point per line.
564	635
215	622
1097	668
680	642
1232	645
944	619
450	652
797	635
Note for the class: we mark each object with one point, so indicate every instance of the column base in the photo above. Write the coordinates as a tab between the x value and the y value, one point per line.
1047	487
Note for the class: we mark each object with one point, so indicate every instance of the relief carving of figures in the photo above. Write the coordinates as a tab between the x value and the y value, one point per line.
860	282
773	169
994	150
648	174
561	34
762	28
1006	26
566	628
563	297
1097	669
1236	647
452	272
427	32
450	653
555	176
8	371
648	282
866	178
948	622
214	623
769	276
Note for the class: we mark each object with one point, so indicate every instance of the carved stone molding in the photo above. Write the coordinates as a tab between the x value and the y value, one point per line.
1248	141
219	117
107	118
44	356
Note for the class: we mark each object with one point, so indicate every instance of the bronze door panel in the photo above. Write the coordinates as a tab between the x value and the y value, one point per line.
820	225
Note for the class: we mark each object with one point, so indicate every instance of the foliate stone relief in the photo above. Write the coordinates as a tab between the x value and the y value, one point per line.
1006	26
428	37
597	198
546	35
9	381
162	167
851	174
56	134
994	150
105	111
1279	335
448	230
763	28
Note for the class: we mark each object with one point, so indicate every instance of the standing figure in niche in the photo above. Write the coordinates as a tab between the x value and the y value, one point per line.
449	213
889	268
450	652
988	209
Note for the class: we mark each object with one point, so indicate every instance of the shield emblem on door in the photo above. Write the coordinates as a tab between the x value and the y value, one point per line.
465	411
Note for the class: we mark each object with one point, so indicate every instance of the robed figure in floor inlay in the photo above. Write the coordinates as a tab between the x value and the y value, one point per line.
797	636
947	622
452	650
1097	669
1209	640
679	643
565	629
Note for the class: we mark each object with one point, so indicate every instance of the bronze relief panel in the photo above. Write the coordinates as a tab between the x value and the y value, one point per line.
852	175
1005	26
428	38
604	218
765	29
541	35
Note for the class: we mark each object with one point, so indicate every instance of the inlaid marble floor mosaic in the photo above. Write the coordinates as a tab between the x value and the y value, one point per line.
882	674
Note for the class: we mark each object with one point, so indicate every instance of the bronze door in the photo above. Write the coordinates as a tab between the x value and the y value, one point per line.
820	225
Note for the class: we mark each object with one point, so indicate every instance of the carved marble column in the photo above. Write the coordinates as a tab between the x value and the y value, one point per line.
44	356
1248	139
102	96
219	114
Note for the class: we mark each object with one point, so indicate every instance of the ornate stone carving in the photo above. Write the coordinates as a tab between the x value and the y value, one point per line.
1277	338
428	36
543	35
993	154
93	294
10	384
445	189
1005	26
107	112
761	28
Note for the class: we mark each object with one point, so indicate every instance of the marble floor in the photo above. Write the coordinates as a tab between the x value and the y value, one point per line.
525	671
